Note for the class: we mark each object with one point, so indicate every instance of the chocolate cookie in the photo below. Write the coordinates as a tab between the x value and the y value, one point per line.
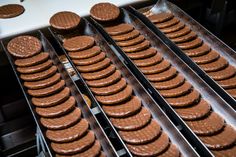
228	83
133	122
173	28
57	110
101	56
172	151
142	136
99	74
194	112
199	51
157	68
119	97
217	65
160	17
62	122
163	76
87	100
223	74
53	99
138	47
229	152
105	12
131	42
78	43
112	89
119	29
179	33
207	126
24	46
69	134
11	10
64	20
43	83
93	51
37	59
124	109
157	58
94	67
142	54
190	36
35	68
39	75
116	76
207	58
151	149
127	36
232	92
190	44
168	23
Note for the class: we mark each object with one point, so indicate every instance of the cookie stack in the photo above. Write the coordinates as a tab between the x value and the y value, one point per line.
216	66
67	130
177	91
141	133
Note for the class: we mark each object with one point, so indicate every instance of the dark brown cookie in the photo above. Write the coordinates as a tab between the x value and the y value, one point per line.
39	75
223	74
207	58
133	122
112	89
229	152
224	139
64	20
157	68
153	148
217	65
53	99
169	84
62	122
168	23
172	151
228	83
69	134
99	74
113	78
184	101
199	51
190	36
143	135
160	17
190	44
76	146
232	92
94	67
35	68
124	109
142	54
131	42
194	112
127	36
57	110
48	90
119	97
78	43
93	51
179	33
157	58
37	59
105	12
173	28
207	126
119	29
24	46
138	47
43	83
163	76
11	10
101	56
87	100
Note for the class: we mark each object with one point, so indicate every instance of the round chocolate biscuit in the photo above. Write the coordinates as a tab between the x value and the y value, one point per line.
228	83
157	58
179	33
207	126
43	83
190	36
76	146
111	89
186	100
39	75
142	54
57	110
169	84
36	59
232	92
153	148
173	28
62	122
172	151
87	100
116	98
124	109
162	76
224	139
127	36
78	43
176	92
69	134
119	29
53	99
133	122
48	90
101	56
94	67
156	68
199	51
229	152
190	44
99	74
160	17
131	42
143	135
35	68
138	47
207	58
105	12
24	46
90	52
64	20
223	74
113	78
168	23
11	10
217	65
194	112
